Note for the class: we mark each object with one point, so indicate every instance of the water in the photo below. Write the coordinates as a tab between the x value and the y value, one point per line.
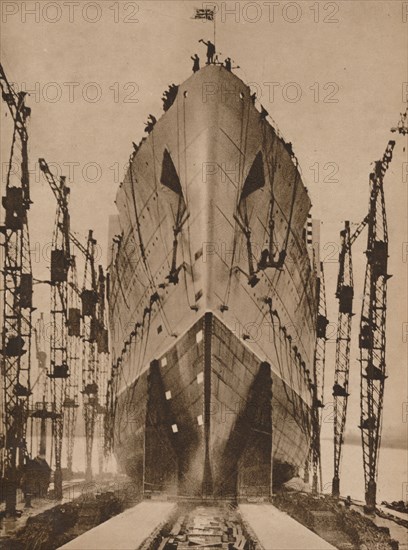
392	472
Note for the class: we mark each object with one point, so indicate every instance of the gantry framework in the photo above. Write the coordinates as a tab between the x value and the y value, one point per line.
103	366
60	265
17	297
89	299
344	295
372	338
318	377
71	400
43	409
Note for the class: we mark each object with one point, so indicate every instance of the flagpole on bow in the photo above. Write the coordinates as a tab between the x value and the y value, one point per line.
207	14
214	18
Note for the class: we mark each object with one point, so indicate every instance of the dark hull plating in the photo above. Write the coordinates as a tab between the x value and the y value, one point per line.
200	420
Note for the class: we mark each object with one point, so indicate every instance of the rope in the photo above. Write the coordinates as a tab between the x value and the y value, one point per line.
141	246
292	365
116	266
270	153
291	210
239	190
11	155
186	194
142	250
185	275
157	202
279	356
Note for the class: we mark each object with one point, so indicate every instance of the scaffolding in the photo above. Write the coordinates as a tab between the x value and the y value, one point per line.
318	380
372	337
17	299
89	299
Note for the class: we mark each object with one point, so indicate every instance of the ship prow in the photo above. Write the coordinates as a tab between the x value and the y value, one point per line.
199	420
213	298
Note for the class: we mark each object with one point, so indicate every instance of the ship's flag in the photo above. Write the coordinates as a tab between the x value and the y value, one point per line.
204	13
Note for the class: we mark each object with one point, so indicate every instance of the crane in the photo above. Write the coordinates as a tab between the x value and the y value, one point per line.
110	413
81	328
372	337
17	298
103	363
66	326
84	325
59	368
90	334
344	295
42	407
89	299
71	400
318	377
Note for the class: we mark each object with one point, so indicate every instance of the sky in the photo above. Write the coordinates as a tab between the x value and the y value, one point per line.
333	76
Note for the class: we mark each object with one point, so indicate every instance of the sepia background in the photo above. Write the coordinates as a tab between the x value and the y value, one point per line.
333	75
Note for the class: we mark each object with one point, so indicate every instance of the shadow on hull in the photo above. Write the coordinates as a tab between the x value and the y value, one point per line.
209	419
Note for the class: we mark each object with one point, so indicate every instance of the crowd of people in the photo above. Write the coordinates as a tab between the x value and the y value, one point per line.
170	94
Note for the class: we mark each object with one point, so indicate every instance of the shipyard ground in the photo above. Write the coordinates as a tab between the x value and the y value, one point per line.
294	521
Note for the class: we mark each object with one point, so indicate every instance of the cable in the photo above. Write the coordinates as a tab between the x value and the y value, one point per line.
186	193
242	155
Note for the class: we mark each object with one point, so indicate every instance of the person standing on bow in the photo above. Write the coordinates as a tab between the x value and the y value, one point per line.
210	51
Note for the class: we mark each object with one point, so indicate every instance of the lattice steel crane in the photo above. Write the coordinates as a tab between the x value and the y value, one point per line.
60	264
372	338
71	400
89	299
81	332
103	365
318	377
344	295
372	327
75	335
17	297
110	412
43	409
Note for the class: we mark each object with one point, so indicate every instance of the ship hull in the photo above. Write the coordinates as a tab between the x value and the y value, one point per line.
210	189
210	418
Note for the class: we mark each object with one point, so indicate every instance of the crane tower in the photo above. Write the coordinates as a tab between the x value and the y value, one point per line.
17	297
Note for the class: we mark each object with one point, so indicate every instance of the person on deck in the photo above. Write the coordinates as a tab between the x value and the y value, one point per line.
264	113
210	51
151	121
228	64
169	96
196	63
